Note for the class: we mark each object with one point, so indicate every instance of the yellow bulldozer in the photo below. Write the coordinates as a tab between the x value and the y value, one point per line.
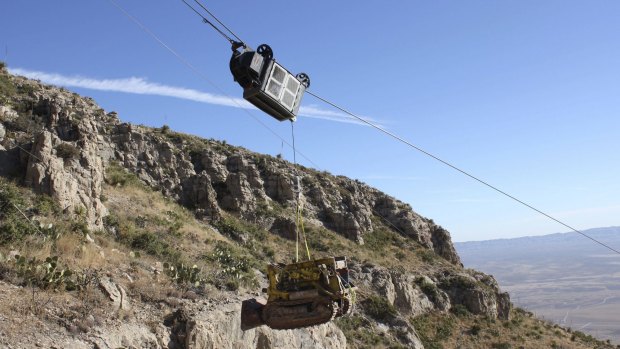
301	294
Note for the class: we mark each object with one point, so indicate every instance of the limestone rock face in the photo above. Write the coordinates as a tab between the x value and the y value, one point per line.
409	298
285	227
478	297
220	327
419	294
7	113
75	183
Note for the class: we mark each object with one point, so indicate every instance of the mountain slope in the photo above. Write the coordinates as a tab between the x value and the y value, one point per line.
96	213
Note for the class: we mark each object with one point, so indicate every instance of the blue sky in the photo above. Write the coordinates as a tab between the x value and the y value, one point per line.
523	94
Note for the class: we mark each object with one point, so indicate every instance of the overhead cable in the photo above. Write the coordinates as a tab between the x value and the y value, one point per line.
205	20
204	76
212	15
402	140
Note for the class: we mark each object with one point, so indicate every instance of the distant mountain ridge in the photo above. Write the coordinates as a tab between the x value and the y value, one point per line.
604	234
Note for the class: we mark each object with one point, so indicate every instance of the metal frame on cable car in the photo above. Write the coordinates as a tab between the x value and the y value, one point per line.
267	84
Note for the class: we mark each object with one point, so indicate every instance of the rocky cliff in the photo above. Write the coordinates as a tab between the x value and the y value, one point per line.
63	145
74	140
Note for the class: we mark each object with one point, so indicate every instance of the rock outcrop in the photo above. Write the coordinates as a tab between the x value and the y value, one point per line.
75	140
219	326
418	294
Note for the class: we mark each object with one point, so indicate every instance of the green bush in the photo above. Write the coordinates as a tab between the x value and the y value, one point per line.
117	175
583	337
429	289
154	245
7	88
427	256
379	239
358	330
379	308
13	225
433	330
67	151
45	205
460	310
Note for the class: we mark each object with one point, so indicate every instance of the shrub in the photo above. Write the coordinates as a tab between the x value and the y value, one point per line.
378	239
379	308
13	225
433	329
428	256
154	245
429	289
46	205
117	175
460	310
359	332
231	227
7	88
230	262
502	345
67	151
80	226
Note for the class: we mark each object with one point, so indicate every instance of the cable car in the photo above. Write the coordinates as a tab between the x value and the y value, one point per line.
267	84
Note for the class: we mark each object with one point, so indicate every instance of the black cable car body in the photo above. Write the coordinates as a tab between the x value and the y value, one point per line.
267	84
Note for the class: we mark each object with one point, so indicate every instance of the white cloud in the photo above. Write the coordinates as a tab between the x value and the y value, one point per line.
143	86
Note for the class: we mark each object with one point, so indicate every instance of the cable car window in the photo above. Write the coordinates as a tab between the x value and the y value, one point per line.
274	89
292	85
288	99
278	74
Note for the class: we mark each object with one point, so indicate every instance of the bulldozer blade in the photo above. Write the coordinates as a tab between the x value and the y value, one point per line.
251	313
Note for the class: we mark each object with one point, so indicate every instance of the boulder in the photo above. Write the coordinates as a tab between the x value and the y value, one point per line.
116	293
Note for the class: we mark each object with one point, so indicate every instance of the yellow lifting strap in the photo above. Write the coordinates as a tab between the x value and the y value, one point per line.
298	211
300	224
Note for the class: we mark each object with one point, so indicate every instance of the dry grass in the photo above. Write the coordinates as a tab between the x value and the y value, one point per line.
439	330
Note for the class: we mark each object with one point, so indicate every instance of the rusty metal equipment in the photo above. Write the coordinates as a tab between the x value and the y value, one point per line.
301	295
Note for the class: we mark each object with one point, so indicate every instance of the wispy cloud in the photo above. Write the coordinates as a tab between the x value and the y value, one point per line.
142	86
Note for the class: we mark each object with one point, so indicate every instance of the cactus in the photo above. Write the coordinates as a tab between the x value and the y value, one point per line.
184	275
44	274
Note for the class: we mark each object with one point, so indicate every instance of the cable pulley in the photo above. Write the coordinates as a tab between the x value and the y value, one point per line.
265	51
